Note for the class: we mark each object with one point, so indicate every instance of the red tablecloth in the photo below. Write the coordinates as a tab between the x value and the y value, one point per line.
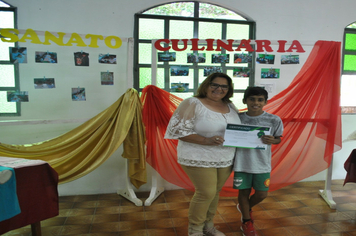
37	194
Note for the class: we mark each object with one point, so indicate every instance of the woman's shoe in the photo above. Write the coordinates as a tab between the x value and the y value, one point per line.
196	234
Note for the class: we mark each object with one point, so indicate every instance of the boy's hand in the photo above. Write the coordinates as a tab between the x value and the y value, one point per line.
269	139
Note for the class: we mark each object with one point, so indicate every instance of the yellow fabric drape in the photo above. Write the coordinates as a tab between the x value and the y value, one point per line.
81	150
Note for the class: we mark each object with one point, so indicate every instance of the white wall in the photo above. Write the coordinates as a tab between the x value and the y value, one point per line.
304	20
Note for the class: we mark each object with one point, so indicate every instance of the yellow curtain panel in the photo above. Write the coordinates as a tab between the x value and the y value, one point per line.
83	149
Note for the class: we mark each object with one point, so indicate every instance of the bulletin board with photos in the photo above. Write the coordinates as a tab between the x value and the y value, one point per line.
187	69
57	64
57	68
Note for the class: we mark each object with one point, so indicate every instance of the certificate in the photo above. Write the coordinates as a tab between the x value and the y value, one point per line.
245	136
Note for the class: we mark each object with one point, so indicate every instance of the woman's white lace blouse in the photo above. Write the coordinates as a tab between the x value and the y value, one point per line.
192	117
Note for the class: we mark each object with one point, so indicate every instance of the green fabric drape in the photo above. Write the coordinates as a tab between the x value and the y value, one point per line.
81	150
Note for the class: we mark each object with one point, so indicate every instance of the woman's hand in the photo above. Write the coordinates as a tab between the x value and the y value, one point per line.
214	141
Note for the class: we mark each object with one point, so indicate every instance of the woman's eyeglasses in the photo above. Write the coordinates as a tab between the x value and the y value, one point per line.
222	86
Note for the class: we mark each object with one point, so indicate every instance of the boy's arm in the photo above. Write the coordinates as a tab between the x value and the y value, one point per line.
269	139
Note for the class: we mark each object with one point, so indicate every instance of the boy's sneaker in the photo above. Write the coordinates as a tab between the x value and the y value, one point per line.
248	229
238	208
213	232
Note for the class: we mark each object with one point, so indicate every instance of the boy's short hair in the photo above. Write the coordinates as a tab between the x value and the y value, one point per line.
253	91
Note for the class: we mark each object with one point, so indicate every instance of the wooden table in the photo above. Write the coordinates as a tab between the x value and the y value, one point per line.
36	185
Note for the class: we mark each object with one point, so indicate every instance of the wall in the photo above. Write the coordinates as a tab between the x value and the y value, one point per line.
306	21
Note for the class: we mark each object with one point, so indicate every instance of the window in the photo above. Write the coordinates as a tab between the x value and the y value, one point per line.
188	20
8	70
348	79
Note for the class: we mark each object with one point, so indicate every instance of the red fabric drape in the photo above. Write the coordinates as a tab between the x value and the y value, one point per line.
157	109
310	111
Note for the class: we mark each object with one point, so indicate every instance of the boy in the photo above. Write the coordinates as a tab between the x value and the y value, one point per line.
252	167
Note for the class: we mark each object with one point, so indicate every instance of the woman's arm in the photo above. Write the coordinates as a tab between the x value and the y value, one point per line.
198	139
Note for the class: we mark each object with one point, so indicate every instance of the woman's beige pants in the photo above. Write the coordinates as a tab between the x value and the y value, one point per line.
208	183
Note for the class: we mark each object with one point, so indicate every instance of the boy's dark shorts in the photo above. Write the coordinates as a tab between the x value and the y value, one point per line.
243	180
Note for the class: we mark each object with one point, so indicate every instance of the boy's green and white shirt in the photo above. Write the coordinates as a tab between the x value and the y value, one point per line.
257	161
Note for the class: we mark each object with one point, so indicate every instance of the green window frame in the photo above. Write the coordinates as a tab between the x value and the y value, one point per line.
9	71
195	23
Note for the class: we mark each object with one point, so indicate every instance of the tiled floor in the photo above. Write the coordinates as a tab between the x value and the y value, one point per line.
294	210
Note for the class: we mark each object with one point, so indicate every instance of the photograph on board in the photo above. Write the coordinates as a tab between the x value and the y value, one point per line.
269	73
78	94
46	57
196	57
241	72
212	69
44	83
166	56
179	70
107	58
107	78
265	59
179	87
242	57
289	59
17	96
220	58
81	59
18	55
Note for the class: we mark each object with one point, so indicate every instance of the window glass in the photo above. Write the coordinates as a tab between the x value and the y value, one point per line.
145	50
237	100
6	107
183	95
181	29
185	9
2	4
207	10
160	78
151	29
145	77
237	32
350	42
7	21
352	26
350	63
348	85
208	30
4	50
7	75
239	82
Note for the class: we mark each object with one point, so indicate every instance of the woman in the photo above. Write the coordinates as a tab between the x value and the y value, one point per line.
199	124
